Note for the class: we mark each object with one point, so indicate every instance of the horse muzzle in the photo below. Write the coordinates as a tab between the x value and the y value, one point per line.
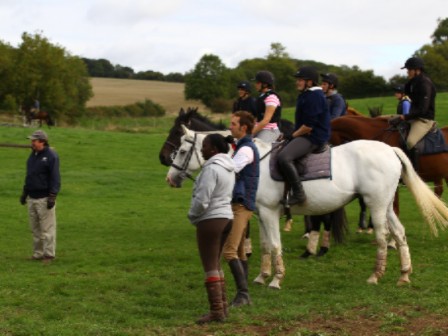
172	182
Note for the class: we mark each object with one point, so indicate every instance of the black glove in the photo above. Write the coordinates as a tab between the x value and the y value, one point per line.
395	121
51	201
23	198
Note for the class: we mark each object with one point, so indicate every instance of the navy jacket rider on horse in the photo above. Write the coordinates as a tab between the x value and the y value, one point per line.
312	119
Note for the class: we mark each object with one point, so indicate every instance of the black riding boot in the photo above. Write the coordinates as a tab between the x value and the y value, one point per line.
242	296
245	265
290	173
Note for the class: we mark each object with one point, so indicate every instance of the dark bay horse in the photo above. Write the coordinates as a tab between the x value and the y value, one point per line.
194	121
41	115
432	168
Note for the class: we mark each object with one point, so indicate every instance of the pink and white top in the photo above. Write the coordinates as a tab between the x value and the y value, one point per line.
272	100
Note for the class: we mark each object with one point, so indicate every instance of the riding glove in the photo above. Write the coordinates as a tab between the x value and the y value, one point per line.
395	121
23	198
51	201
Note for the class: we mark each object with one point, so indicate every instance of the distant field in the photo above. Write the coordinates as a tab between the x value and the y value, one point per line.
111	91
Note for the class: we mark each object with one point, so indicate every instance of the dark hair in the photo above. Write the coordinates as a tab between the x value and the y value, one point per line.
219	142
247	119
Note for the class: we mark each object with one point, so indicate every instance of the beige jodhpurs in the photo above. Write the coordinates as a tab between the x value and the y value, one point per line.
419	128
234	245
43	227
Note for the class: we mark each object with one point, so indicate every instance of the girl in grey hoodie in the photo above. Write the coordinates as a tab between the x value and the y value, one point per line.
212	215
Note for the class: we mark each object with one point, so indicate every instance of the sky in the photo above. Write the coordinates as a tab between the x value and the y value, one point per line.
172	35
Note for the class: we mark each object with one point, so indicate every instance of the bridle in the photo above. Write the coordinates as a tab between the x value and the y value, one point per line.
193	151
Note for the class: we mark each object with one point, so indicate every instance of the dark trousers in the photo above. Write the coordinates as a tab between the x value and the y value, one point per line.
295	149
211	235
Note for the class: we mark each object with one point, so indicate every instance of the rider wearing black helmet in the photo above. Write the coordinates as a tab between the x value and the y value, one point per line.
404	103
312	129
422	94
269	108
336	102
245	101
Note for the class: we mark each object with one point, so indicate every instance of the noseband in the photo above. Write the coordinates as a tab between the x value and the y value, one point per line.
184	168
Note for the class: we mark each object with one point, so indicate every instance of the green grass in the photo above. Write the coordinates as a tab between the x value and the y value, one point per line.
127	262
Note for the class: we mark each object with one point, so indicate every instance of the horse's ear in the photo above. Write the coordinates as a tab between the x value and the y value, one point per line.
185	129
181	112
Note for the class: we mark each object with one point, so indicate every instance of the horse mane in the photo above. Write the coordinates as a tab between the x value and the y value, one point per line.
192	113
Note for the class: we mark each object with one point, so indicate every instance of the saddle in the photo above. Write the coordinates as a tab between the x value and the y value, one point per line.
432	143
316	165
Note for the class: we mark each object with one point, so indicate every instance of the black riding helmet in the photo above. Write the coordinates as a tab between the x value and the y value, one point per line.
413	63
264	77
309	73
245	85
330	79
399	88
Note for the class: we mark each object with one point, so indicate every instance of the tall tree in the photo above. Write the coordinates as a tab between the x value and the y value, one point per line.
440	35
208	80
50	74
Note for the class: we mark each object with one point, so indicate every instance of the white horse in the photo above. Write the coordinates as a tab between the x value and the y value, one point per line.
370	169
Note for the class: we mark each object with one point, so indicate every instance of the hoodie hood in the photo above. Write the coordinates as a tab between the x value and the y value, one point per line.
224	160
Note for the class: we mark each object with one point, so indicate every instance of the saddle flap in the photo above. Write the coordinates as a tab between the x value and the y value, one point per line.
313	166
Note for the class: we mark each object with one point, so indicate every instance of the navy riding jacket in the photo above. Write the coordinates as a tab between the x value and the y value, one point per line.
246	184
312	111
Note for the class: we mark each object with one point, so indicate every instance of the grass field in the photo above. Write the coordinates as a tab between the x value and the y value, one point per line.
127	262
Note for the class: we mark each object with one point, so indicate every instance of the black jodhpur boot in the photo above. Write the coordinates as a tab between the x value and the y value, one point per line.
242	296
290	173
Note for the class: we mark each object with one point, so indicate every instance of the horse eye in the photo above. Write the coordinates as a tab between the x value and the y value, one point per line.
182	151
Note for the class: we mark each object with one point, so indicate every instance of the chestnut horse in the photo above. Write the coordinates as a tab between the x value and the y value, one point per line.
432	167
40	115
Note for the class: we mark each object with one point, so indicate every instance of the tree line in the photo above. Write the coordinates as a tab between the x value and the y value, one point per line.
38	69
104	68
215	85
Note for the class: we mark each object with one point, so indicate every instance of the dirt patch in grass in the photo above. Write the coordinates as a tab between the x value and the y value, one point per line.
390	324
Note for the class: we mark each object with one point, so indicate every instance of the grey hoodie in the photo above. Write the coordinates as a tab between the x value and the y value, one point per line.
212	192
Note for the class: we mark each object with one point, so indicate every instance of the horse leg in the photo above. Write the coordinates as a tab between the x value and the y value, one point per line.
362	216
398	233
438	187
276	247
265	254
288	224
270	222
380	221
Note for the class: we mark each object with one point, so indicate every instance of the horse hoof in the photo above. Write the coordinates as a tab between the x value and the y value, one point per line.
259	280
275	284
288	225
403	282
373	280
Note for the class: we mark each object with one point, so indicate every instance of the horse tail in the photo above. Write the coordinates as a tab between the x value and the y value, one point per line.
339	225
433	209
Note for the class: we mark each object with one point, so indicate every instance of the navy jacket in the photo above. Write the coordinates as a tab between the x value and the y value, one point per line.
246	184
336	105
312	111
42	174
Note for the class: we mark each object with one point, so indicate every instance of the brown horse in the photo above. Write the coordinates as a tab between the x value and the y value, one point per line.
41	116
432	168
